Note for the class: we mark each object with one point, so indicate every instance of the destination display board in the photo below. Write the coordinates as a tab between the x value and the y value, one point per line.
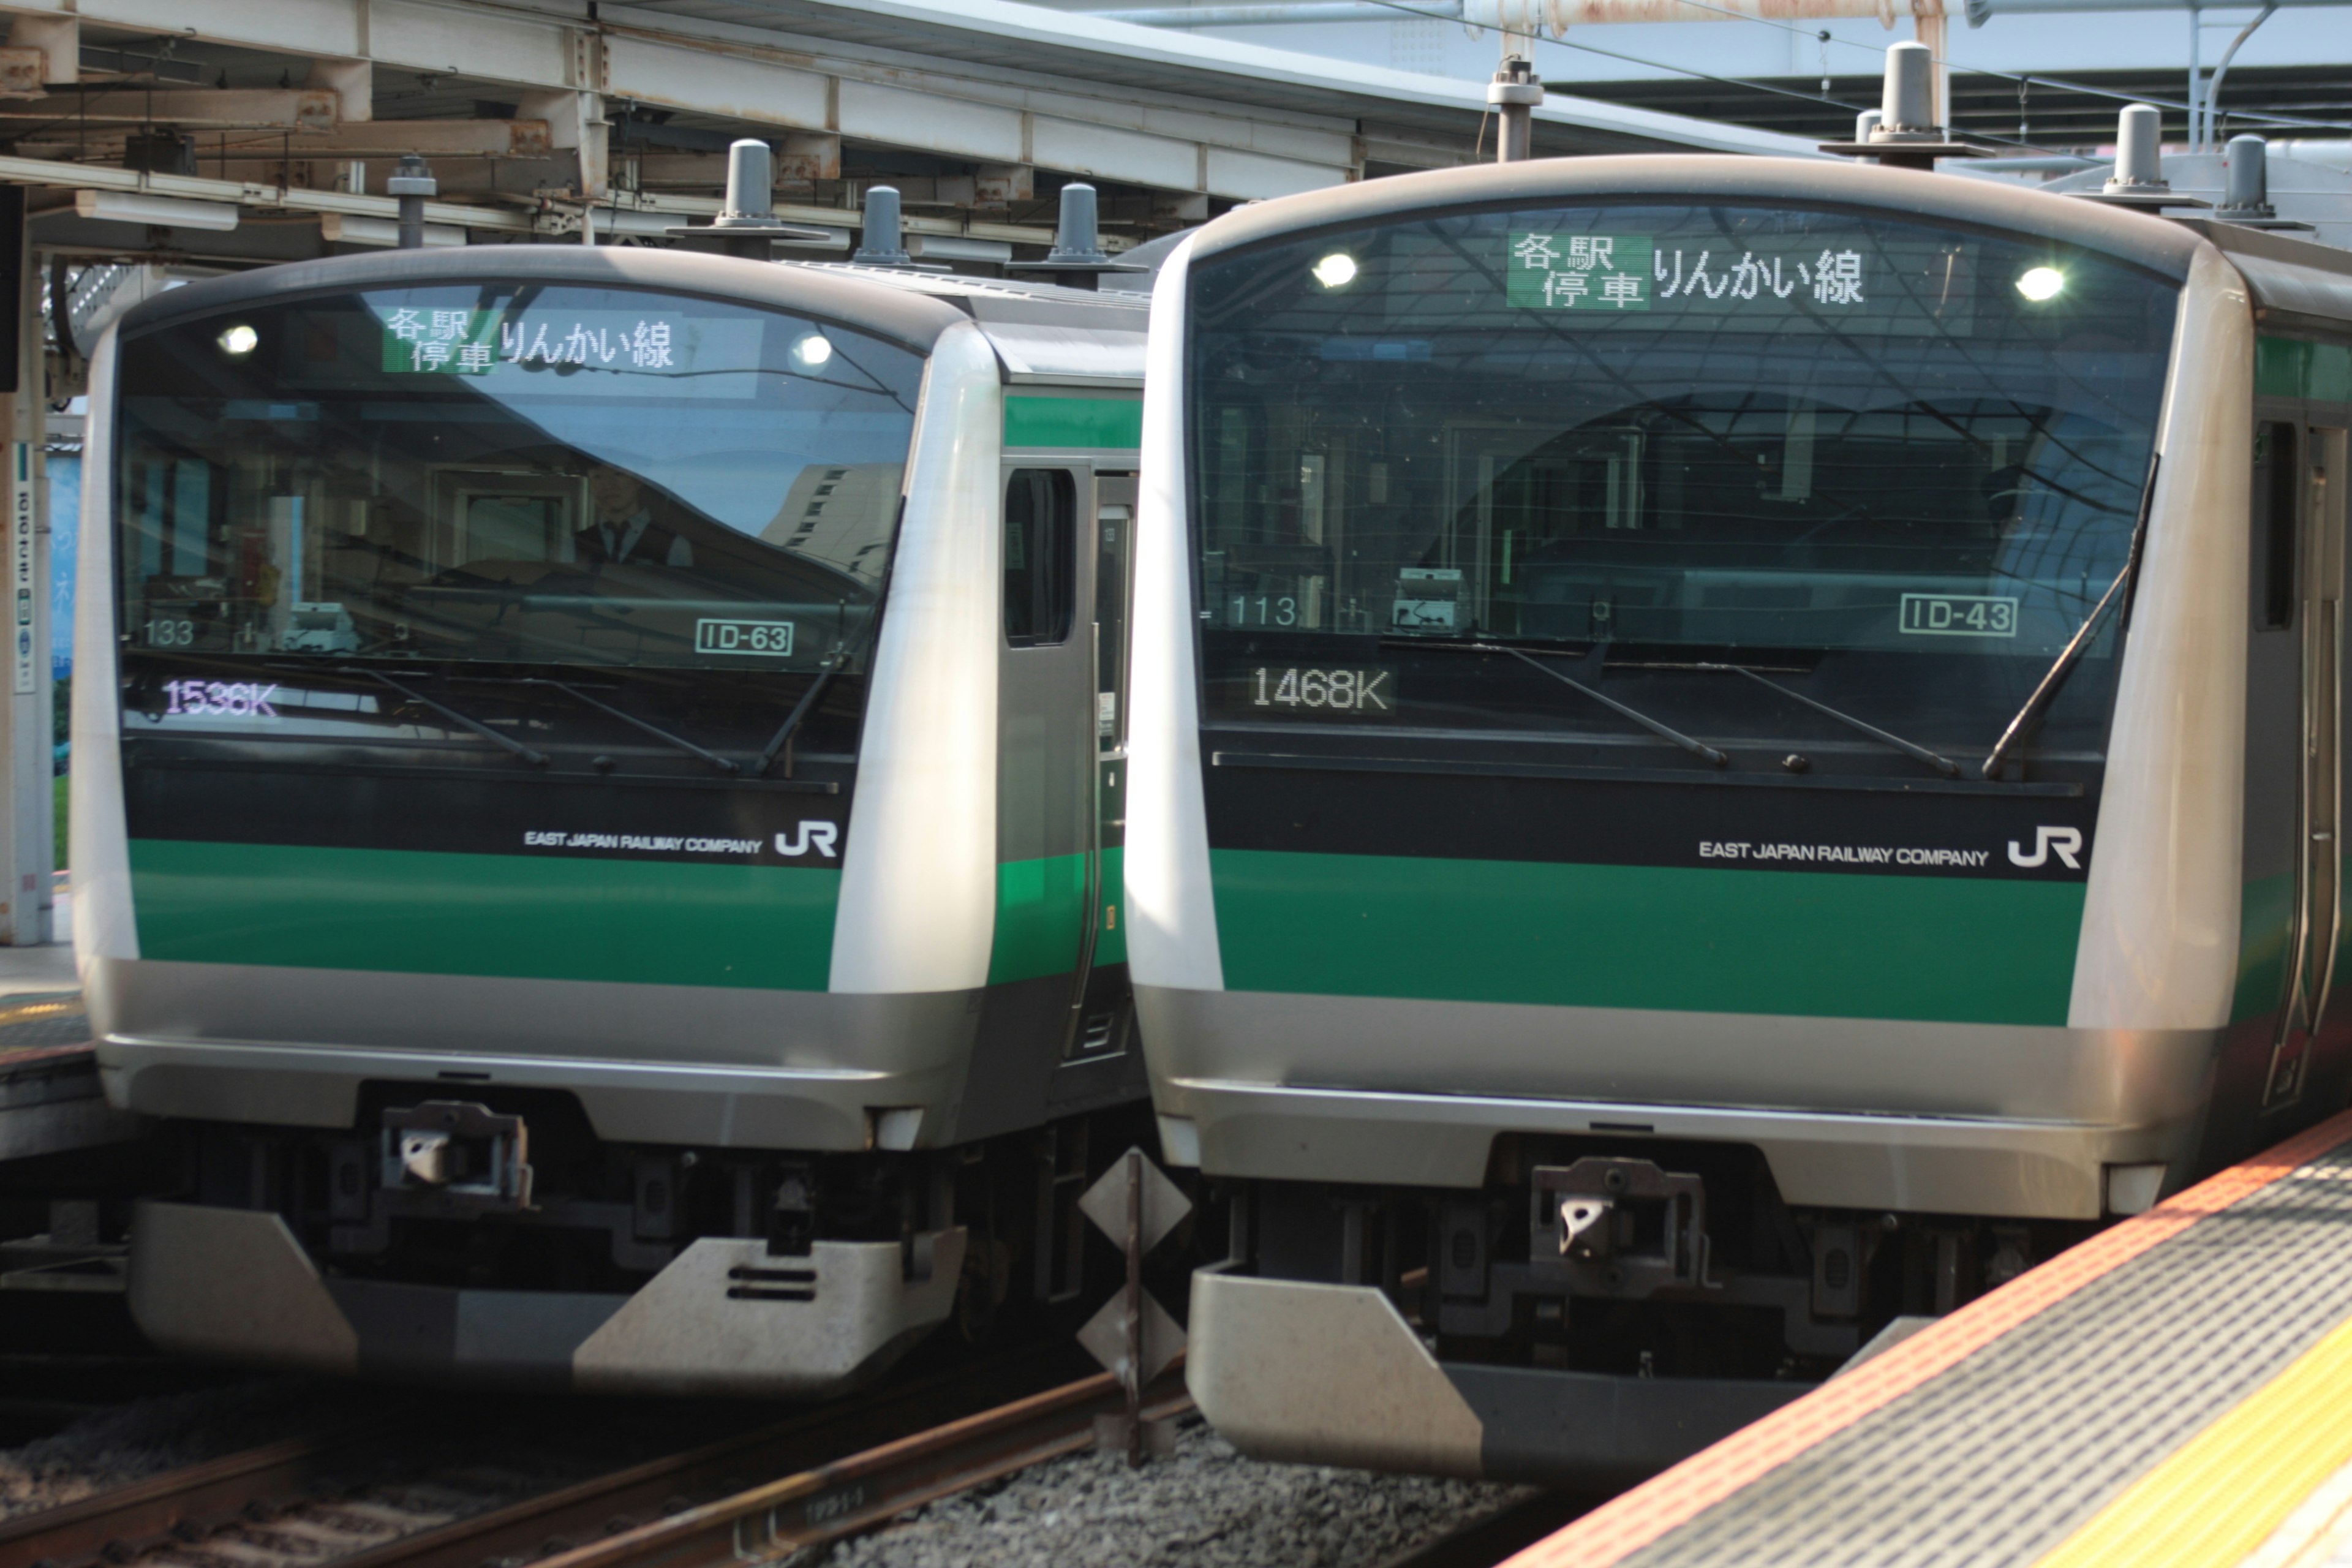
1884	284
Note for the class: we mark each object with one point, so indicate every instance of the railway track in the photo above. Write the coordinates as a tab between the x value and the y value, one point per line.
374	1495
854	1494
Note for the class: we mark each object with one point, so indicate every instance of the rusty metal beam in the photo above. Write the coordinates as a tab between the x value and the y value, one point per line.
392	138
291	109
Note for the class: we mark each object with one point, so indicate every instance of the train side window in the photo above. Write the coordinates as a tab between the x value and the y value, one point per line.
1041	507
2276	472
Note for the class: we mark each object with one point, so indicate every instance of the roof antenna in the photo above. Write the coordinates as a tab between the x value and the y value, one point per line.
2246	187
1077	243
883	245
2137	180
747	226
1906	135
1513	95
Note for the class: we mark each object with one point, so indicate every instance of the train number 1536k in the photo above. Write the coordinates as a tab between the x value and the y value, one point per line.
1354	690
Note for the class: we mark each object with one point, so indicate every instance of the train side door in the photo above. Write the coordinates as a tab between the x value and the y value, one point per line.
2315	931
1099	1024
1045	738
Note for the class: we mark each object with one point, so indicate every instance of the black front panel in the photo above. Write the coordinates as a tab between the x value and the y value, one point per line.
239	754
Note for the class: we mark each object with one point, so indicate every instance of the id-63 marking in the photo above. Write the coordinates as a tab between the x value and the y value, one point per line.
770	639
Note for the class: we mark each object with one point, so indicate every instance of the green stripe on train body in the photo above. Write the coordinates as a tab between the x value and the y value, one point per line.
1038	916
2294	367
1949	950
2267	930
1110	424
423	913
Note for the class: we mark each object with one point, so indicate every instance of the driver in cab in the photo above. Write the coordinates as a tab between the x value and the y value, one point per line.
630	527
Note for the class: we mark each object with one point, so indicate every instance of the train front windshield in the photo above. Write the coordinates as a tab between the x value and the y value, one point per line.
1892	466
511	474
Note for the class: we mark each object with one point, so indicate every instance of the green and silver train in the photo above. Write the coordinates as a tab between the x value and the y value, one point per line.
1727	753
597	806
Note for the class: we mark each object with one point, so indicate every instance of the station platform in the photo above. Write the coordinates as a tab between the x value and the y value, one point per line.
50	1101
2176	1391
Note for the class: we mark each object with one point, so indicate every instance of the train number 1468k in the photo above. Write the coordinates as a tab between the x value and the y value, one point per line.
1357	690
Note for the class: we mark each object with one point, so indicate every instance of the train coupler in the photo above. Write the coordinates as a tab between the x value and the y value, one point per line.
470	1156
1620	1227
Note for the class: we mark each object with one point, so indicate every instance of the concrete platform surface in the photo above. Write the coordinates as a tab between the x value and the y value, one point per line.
2174	1393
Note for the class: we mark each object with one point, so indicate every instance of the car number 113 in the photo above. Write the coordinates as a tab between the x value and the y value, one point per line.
1345	689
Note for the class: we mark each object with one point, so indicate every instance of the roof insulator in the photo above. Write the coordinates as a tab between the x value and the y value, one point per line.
884	243
746	225
2137	180
1901	133
1078	242
2246	187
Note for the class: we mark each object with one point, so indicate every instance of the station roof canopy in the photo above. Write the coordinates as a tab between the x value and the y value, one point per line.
262	130
1076	47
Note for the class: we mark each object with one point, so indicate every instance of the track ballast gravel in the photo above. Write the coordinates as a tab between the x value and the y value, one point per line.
146	1438
1203	1507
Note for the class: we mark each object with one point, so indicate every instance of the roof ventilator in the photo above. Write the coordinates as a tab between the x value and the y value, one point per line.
1077	243
1513	95
747	226
2246	187
2138	179
883	245
1904	134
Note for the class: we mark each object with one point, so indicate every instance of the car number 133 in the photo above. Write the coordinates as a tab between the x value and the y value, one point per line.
1352	690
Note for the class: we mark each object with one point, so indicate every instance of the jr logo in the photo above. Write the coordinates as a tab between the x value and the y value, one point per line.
818	837
2067	842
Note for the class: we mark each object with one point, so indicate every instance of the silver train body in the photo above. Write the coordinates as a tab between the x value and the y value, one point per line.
572	832
1606	1044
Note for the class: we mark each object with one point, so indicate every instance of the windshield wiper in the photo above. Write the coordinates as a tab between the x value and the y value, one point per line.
1942	765
536	759
680	741
1699	749
783	734
2046	691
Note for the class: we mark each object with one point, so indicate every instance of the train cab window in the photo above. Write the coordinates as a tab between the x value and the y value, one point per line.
1041	508
2274	509
1890	467
507	473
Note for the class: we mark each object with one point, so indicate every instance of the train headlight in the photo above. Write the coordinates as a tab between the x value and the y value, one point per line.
813	351
240	341
1336	271
2040	283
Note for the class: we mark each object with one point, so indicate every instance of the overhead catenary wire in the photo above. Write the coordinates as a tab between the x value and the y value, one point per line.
2022	80
1748	82
1421	14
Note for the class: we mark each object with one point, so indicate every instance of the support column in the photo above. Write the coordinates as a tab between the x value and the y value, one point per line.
28	806
1931	28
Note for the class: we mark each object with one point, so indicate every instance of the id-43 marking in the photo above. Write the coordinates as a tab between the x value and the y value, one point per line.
1959	616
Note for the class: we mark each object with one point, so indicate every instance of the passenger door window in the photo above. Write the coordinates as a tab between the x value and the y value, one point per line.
1040	556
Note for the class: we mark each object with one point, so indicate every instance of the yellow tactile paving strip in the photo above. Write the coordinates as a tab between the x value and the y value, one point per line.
2088	1408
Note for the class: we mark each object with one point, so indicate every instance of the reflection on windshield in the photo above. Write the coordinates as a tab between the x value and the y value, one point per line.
1852	451
548	476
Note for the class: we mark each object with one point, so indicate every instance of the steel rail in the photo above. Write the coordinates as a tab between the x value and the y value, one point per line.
125	1522
853	1495
181	1510
543	1528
